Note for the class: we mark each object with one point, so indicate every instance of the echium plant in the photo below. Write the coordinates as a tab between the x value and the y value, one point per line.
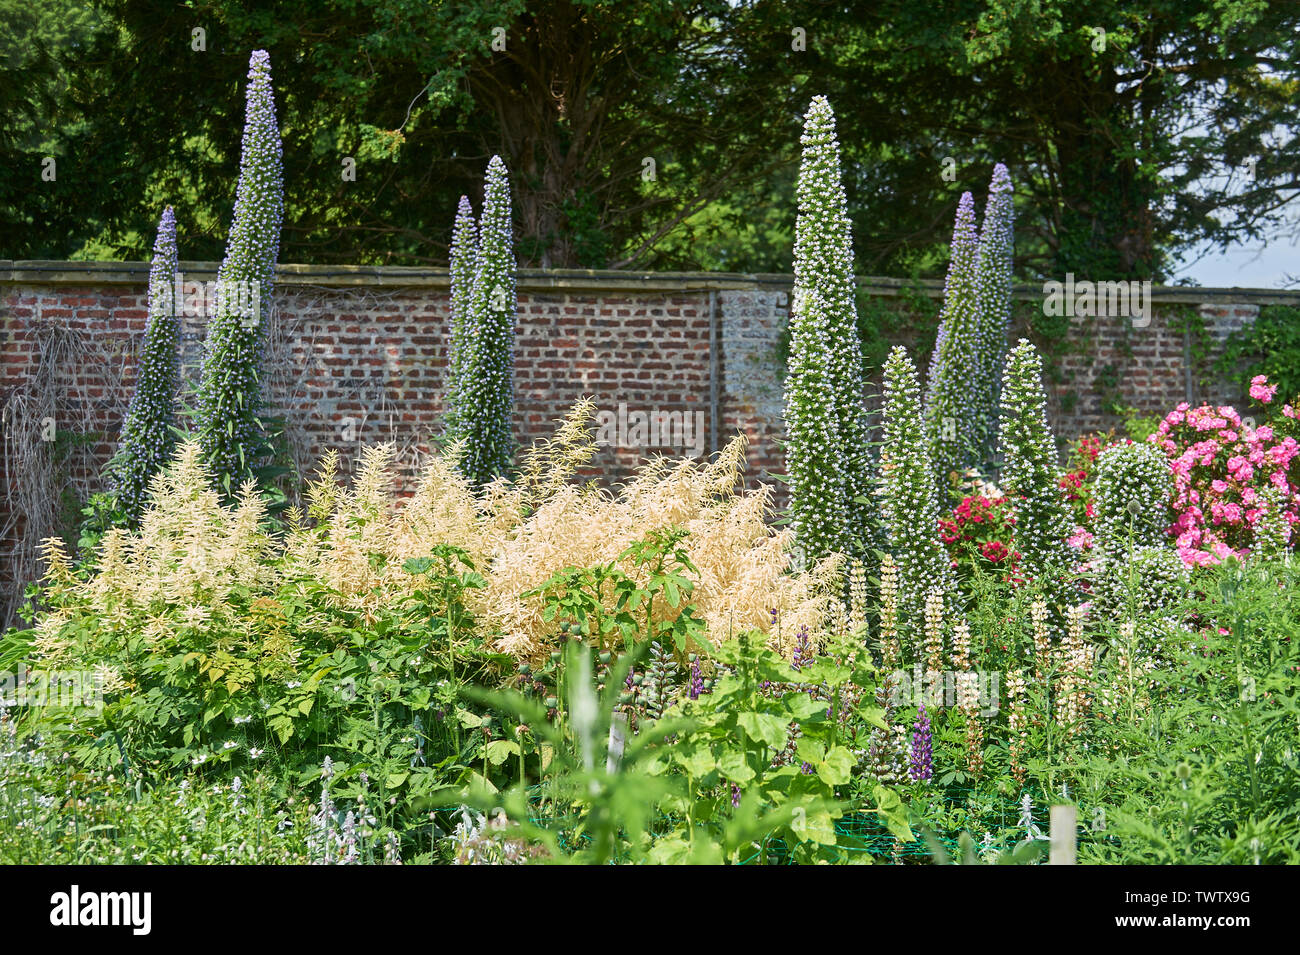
1134	487
910	507
1030	475
228	428
993	306
823	263
951	401
818	497
487	362
464	260
147	440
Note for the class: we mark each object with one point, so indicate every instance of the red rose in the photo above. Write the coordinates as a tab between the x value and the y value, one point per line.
994	551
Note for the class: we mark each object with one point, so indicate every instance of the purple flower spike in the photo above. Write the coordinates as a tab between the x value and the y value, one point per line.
922	769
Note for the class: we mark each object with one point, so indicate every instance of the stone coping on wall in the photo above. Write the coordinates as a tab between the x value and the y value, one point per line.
41	272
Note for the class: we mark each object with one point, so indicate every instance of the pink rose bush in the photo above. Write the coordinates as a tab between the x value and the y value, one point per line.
1231	479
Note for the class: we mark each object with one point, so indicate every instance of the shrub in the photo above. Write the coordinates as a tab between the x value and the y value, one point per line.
1030	474
909	503
229	430
980	537
198	562
488	362
823	264
1222	464
147	441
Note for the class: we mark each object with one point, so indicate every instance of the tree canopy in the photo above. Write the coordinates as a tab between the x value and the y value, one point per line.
657	133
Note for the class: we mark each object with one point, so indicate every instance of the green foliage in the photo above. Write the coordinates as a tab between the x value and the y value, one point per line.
69	816
1268	346
298	680
581	596
1205	770
698	786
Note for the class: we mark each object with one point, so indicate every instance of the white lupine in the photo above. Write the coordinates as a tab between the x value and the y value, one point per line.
1030	474
823	263
147	439
464	261
910	507
488	359
230	391
818	504
950	405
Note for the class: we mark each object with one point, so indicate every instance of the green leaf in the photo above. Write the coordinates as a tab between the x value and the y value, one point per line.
891	809
765	727
735	767
499	750
837	768
697	761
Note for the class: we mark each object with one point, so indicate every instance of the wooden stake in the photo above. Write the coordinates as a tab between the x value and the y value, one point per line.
617	736
1063	829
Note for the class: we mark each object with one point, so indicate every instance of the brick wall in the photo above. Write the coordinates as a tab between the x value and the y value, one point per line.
356	355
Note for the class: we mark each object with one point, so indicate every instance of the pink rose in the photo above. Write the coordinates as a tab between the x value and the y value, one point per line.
1261	391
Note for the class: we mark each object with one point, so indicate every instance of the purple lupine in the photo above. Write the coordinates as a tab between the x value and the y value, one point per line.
697	680
229	392
735	796
147	441
922	768
803	654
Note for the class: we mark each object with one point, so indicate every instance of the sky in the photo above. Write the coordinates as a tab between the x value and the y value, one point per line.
1254	265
